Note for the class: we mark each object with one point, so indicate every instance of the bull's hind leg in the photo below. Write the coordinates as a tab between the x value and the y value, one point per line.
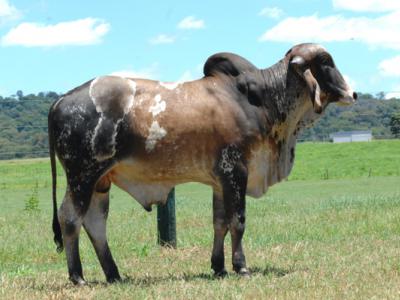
95	225
220	230
71	222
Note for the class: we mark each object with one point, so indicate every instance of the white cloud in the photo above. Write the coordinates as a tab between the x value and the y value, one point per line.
367	5
4	92
390	66
271	12
192	74
392	95
6	9
191	22
378	32
150	72
186	76
8	12
350	81
80	32
162	39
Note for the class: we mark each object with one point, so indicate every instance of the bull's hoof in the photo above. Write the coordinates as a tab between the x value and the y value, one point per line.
77	280
220	274
114	279
244	272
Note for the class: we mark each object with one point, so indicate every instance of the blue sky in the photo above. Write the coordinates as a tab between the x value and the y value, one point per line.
56	45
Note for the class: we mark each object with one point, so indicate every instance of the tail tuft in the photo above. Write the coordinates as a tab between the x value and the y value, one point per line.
57	235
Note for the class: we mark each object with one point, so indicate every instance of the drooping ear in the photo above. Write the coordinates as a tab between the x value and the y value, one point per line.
313	88
304	71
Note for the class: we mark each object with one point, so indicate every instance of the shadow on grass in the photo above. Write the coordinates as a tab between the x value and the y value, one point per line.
146	281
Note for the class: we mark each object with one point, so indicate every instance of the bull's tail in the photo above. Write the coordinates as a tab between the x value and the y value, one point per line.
56	223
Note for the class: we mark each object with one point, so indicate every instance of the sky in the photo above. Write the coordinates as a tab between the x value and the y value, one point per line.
48	45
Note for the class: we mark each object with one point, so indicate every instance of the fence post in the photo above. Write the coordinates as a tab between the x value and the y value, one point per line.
166	222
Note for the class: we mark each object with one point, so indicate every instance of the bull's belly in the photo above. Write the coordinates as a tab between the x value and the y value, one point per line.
149	183
146	194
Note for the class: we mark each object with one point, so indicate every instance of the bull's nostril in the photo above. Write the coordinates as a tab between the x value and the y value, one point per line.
355	96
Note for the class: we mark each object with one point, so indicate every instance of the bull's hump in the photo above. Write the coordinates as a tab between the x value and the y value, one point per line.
228	64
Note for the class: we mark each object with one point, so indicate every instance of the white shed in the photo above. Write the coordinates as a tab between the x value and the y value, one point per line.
351	136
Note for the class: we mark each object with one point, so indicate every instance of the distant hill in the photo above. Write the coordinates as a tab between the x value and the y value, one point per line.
367	113
23	125
23	122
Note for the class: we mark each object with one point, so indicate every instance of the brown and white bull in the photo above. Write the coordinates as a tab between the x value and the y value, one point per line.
235	129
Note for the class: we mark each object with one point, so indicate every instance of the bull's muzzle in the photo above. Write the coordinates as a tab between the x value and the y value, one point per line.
348	99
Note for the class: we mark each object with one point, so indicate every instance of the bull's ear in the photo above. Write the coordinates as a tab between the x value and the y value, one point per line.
303	70
313	88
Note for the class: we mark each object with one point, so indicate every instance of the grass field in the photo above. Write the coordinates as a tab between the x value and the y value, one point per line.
306	239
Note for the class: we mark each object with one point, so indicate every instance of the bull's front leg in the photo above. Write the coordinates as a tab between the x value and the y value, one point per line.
220	230
233	175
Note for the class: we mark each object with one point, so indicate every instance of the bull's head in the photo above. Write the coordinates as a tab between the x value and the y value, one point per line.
324	81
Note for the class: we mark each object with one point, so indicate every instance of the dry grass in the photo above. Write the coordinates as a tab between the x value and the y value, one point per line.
331	239
315	239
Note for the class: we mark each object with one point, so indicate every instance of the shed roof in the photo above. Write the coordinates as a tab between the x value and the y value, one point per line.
349	133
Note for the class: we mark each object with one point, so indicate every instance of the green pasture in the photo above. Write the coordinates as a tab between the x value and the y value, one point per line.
320	235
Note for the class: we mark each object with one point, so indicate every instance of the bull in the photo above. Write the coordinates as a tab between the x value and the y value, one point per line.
235	130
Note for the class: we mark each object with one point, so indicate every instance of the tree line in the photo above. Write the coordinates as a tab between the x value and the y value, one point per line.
23	122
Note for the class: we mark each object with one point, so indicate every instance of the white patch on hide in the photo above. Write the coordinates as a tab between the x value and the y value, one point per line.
158	107
156	133
126	109
92	84
170	85
131	100
58	102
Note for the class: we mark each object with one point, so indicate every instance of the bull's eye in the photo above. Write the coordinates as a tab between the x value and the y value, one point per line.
331	81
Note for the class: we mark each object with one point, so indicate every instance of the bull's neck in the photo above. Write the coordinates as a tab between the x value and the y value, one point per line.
281	93
275	81
282	89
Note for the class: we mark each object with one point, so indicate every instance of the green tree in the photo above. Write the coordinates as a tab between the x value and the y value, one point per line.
20	94
380	95
395	125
